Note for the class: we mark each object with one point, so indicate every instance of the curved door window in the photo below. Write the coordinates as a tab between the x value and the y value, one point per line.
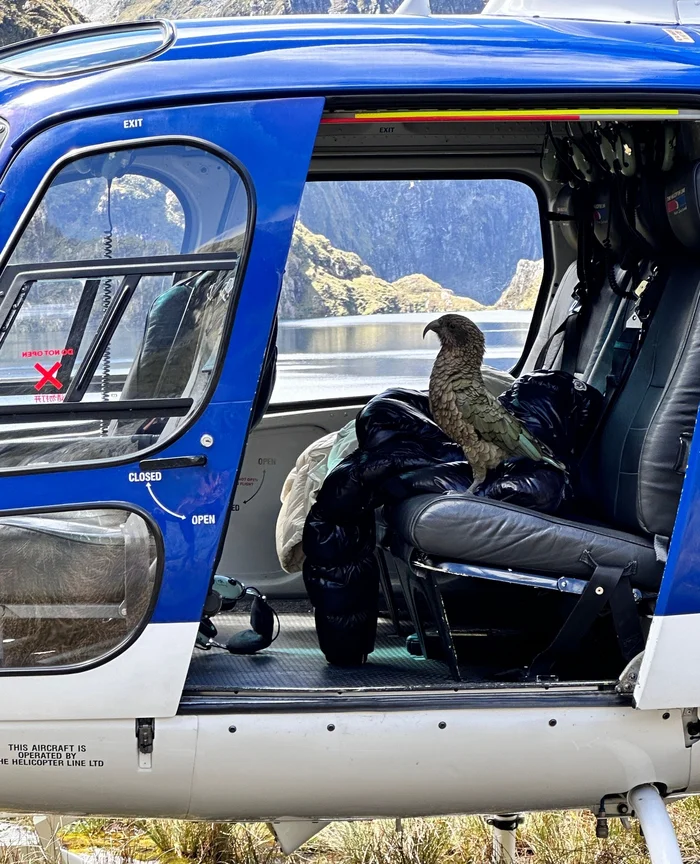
74	585
114	303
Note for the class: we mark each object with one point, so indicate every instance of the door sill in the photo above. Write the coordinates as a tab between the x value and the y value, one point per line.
555	694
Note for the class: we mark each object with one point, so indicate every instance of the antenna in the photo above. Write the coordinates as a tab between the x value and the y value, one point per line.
414	7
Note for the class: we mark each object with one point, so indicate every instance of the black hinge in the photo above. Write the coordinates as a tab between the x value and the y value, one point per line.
145	733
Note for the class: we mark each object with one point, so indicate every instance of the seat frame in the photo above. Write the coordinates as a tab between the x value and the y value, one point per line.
608	586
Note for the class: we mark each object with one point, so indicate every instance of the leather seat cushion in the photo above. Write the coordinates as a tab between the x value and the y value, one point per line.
463	527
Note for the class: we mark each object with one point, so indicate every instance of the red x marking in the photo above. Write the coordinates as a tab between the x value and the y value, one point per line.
48	376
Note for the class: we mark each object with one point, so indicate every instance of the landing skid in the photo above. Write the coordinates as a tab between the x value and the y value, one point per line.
649	808
658	829
504	828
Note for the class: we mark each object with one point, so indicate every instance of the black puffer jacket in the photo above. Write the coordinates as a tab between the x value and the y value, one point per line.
402	452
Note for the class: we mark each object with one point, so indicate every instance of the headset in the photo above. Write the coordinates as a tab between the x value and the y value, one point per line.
223	596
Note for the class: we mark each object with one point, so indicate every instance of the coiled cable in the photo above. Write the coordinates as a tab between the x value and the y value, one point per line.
107	289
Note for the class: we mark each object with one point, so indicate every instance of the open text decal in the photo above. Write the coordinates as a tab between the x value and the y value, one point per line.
149	477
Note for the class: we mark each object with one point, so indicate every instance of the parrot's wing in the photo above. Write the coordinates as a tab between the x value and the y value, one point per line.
494	424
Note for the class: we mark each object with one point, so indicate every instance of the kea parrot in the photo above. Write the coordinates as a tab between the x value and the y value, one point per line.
466	411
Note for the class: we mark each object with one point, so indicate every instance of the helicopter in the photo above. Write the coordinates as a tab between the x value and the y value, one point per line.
156	659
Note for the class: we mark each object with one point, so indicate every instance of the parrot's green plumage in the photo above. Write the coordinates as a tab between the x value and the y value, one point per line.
466	411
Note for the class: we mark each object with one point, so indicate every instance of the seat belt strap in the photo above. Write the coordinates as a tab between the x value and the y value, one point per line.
587	274
596	596
627	346
628	627
569	327
661	545
623	350
573	327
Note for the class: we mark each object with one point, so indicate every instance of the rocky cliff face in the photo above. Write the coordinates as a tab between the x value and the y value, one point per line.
365	247
524	287
123	10
323	281
466	235
24	19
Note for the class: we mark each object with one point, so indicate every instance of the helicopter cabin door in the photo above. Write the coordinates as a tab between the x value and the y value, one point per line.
142	259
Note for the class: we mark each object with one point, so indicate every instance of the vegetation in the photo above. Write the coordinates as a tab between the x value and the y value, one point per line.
11	855
545	838
127	10
524	287
24	19
324	281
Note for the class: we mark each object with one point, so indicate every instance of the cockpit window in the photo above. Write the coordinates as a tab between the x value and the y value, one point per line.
114	303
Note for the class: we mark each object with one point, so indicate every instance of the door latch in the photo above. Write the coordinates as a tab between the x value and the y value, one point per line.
691	726
145	734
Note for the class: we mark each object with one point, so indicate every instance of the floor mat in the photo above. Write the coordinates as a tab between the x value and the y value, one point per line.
295	662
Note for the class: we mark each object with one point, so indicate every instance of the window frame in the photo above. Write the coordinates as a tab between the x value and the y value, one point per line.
156	534
145	266
66	35
402	166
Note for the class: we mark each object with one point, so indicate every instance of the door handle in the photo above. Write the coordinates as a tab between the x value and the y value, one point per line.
173	462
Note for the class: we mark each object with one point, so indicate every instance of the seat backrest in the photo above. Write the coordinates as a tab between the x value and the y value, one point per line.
182	333
602	316
175	329
633	473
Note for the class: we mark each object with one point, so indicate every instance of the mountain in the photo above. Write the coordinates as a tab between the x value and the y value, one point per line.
360	247
124	10
24	19
322	281
524	287
467	235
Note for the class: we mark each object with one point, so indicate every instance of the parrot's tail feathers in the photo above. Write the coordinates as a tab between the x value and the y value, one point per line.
529	448
537	451
550	460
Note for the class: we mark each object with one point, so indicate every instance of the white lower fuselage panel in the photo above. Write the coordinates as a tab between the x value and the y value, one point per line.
371	764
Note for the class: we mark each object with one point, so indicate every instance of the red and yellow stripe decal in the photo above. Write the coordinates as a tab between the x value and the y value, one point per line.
478	115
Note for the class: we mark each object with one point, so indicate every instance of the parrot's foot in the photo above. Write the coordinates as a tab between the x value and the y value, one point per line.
475	485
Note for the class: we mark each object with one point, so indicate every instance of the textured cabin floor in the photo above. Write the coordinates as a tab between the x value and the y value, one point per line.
295	662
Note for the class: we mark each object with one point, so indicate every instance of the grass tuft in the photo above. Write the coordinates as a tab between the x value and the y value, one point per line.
545	838
211	842
416	841
13	855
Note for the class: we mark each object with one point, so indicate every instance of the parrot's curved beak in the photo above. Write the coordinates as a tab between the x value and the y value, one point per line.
430	327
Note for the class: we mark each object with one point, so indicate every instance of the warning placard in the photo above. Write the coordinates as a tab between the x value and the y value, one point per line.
678	35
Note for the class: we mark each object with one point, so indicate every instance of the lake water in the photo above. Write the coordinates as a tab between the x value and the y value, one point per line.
362	355
321	358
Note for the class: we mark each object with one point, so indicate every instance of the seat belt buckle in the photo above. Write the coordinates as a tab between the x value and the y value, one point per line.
575	307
